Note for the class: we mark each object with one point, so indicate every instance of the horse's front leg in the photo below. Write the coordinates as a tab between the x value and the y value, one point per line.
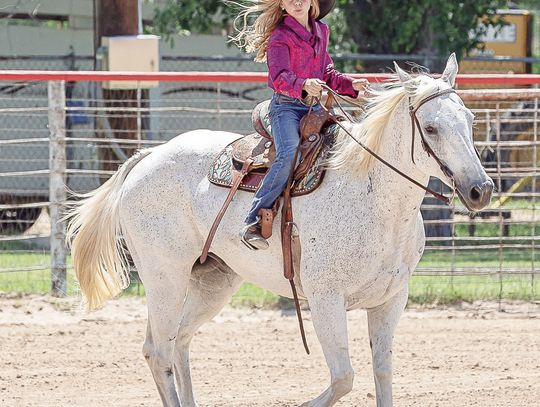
330	321
382	322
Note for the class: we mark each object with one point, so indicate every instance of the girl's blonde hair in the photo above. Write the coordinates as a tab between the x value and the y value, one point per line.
253	36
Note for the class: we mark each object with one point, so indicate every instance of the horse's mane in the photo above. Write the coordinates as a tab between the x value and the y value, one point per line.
381	105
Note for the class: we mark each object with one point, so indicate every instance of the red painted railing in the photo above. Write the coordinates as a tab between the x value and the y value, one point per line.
20	75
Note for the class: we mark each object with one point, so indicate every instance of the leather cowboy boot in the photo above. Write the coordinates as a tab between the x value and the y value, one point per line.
251	236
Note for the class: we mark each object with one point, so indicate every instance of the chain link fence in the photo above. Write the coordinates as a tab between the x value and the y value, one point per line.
245	63
494	251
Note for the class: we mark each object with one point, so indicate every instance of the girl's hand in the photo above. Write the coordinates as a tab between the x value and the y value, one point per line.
360	84
313	86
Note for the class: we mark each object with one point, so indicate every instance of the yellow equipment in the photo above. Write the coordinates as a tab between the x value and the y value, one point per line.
513	39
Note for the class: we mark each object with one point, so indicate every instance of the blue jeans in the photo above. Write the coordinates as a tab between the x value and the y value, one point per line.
285	115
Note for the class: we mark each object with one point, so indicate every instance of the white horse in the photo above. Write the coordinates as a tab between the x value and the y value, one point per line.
361	233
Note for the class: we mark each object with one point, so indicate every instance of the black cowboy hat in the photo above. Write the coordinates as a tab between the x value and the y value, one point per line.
325	6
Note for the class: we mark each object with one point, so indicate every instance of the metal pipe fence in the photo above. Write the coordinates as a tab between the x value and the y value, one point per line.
245	62
76	133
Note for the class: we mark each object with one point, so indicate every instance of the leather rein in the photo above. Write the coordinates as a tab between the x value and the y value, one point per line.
415	123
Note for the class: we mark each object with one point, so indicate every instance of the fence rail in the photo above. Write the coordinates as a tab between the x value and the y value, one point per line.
101	128
232	77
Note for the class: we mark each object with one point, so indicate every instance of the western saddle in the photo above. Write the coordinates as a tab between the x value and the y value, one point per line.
244	163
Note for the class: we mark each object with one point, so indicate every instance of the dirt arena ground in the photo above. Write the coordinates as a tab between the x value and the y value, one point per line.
53	354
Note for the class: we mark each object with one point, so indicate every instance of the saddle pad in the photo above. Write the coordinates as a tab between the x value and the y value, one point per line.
221	171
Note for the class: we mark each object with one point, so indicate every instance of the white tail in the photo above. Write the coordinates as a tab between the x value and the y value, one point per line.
94	235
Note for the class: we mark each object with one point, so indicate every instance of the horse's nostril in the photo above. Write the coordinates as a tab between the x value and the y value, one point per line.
475	193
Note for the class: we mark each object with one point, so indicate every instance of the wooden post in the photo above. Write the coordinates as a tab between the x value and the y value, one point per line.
117	17
57	189
114	18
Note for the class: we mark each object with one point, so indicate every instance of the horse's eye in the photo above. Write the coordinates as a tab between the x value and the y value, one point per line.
430	130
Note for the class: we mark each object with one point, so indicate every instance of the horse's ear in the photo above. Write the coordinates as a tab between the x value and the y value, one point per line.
402	75
451	70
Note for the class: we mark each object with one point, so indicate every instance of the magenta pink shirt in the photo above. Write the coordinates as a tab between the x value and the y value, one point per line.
295	54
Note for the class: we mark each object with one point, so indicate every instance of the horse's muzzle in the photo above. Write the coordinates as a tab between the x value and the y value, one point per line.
479	195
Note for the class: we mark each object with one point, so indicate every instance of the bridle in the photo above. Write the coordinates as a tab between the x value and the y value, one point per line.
427	148
414	123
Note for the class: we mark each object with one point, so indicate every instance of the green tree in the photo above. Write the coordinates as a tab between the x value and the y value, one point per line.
433	28
184	16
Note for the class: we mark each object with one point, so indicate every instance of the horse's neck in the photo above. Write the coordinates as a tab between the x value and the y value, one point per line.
397	194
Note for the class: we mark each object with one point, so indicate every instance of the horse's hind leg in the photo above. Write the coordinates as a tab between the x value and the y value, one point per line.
165	293
210	288
382	322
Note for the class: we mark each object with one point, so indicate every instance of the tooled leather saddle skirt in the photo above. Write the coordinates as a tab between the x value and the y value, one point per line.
317	139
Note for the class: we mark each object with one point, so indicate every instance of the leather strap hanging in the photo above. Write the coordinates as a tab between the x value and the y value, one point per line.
286	230
237	178
286	246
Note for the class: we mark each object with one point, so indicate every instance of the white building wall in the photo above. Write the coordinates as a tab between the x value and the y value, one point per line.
35	40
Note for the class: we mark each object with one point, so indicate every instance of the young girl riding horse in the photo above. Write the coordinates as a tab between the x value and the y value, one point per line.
290	37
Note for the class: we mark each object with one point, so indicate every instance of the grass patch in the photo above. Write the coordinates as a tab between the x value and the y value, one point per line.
486	259
434	289
33	282
443	290
523	230
454	289
29	272
36	276
251	296
39	282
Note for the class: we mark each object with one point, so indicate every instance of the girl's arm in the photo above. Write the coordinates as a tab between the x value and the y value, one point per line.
341	83
283	79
